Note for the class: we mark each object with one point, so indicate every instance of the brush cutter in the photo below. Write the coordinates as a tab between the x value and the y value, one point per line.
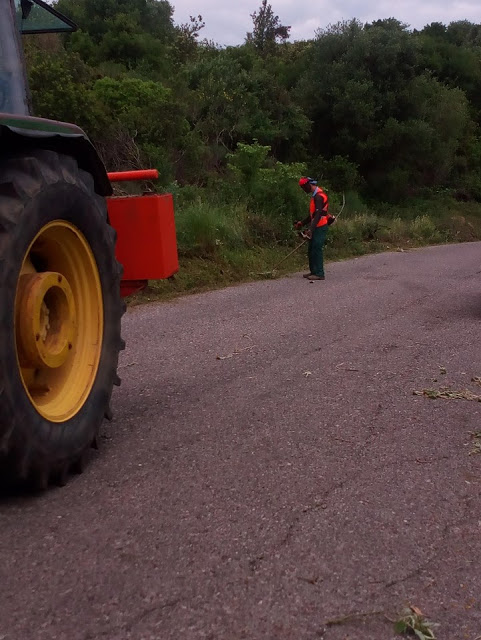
334	218
274	269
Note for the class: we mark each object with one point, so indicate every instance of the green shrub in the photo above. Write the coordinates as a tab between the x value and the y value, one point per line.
269	190
354	204
277	193
246	162
339	172
423	229
263	230
393	231
362	228
203	228
340	234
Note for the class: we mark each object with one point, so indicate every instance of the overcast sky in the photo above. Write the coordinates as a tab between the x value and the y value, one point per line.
227	21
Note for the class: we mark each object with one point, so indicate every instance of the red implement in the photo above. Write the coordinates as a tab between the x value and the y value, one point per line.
146	240
123	176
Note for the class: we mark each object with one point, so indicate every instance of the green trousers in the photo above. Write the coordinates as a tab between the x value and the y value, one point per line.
315	251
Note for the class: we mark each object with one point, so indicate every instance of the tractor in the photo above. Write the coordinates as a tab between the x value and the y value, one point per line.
63	239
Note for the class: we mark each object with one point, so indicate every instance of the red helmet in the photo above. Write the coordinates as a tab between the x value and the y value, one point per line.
305	180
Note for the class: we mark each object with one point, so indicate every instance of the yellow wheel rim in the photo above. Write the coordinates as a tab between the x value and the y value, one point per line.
58	321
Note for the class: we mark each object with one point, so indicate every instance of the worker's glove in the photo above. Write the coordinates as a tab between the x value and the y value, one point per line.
298	225
331	219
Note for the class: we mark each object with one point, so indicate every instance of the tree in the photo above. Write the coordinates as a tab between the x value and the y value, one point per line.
128	33
239	97
268	29
61	85
188	37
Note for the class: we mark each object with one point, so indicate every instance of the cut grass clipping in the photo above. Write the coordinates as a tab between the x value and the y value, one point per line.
476	439
464	394
412	622
451	394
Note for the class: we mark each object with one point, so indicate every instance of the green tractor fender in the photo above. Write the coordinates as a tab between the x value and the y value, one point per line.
20	132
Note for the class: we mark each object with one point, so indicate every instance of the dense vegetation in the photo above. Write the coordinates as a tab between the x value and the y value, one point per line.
388	115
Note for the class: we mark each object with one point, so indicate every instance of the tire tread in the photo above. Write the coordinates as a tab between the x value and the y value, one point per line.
22	178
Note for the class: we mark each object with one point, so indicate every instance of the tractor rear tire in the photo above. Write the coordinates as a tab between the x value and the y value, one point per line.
60	313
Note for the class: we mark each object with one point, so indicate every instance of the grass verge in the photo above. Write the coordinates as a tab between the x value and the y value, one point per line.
218	248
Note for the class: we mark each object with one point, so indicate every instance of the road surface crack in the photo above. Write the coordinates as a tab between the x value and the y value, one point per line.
319	504
128	625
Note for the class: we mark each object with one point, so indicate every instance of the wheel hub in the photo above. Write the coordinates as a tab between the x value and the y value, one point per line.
46	321
59	321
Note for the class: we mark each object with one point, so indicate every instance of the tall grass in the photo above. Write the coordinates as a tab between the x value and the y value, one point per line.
224	245
243	226
203	227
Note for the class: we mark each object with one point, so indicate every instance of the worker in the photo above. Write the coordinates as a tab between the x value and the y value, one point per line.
318	220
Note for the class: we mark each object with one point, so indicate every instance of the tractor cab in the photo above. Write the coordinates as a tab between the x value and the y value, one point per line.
22	16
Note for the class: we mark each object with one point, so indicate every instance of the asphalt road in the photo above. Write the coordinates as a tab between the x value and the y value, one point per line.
270	470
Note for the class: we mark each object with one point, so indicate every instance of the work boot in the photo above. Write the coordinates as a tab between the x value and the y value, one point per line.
307	275
314	277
